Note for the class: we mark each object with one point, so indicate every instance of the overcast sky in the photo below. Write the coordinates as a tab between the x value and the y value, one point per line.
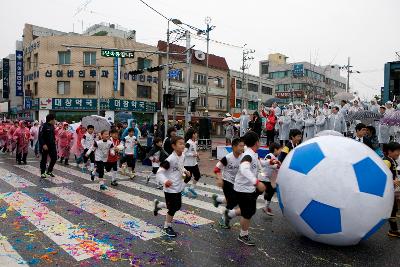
327	32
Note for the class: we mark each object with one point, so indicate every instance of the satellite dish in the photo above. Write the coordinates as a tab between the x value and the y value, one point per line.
199	55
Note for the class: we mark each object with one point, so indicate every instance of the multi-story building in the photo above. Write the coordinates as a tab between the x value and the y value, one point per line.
257	90
391	88
66	74
217	86
109	29
302	81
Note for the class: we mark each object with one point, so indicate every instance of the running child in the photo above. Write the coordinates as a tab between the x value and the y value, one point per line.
113	157
157	155
270	165
392	152
229	166
246	183
130	144
191	160
102	149
172	175
294	140
87	142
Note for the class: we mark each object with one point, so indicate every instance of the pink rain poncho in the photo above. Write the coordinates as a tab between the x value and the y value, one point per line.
22	137
64	141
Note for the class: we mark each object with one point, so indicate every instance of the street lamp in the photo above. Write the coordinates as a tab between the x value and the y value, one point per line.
176	22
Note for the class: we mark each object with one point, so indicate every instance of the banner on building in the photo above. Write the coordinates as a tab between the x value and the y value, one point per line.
298	70
116	74
6	78
232	96
19	73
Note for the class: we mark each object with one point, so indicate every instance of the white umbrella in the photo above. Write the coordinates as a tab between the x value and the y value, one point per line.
227	119
99	123
343	96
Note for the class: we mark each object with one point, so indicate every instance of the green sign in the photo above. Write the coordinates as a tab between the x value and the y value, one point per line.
117	53
128	105
74	104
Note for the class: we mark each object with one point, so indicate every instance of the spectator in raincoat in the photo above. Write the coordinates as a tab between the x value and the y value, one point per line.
77	148
309	127
270	125
320	122
243	122
336	121
64	143
10	137
297	120
284	127
256	124
21	137
34	131
136	132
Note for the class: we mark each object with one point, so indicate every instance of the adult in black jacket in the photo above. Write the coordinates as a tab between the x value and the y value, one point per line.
47	146
361	135
256	124
167	142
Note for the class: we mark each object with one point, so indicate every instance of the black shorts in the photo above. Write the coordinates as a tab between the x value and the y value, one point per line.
91	156
173	201
247	204
130	161
194	171
155	169
230	195
111	166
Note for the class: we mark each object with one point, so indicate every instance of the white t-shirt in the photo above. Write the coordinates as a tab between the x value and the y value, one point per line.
87	140
246	177
267	168
172	169
129	143
229	166
190	152
102	149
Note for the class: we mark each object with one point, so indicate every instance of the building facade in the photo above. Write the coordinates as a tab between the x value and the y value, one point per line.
391	88
257	90
218	84
302	82
72	81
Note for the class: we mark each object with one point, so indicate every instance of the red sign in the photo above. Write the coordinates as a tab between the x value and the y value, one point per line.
296	94
232	98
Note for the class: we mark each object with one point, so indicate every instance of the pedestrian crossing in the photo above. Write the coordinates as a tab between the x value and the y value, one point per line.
36	171
75	239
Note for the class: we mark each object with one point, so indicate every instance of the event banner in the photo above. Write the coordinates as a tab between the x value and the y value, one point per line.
19	73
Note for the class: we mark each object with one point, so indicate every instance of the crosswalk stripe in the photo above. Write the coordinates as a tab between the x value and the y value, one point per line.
135	226
192	202
72	238
80	174
185	217
14	180
36	171
8	255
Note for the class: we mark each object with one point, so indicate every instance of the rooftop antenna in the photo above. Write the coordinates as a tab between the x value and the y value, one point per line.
82	7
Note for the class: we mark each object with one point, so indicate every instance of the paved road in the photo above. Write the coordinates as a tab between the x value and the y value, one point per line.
66	221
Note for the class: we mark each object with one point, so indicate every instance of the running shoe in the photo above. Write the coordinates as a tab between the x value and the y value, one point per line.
227	219
193	192
156	208
92	175
246	240
114	183
170	232
222	224
103	187
43	176
215	202
268	211
50	174
394	233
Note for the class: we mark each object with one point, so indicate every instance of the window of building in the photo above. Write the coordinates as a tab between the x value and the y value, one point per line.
35	88
220	103
253	105
178	100
238	103
64	57
144	63
266	90
89	58
199	78
201	101
122	89
264	68
143	91
238	84
28	87
89	87
122	61
253	87
63	88
179	76
28	65
220	83
35	61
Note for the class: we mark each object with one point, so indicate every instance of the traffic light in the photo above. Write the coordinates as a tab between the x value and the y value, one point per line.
169	101
154	69
192	106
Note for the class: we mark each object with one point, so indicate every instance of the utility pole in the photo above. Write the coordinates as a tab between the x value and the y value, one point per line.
166	84
188	75
246	58
209	28
349	71
98	89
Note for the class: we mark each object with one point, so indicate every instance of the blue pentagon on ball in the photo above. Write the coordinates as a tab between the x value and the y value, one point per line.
370	177
306	157
322	218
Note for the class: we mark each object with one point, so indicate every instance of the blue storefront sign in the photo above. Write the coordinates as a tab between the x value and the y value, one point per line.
19	73
116	71
28	103
298	70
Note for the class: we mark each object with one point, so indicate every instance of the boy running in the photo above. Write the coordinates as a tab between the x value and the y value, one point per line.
191	158
87	142
229	166
129	142
172	175
112	161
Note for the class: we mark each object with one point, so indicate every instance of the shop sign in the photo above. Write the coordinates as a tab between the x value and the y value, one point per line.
74	104
19	73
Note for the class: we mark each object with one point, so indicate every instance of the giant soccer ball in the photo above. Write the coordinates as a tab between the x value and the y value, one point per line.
335	190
